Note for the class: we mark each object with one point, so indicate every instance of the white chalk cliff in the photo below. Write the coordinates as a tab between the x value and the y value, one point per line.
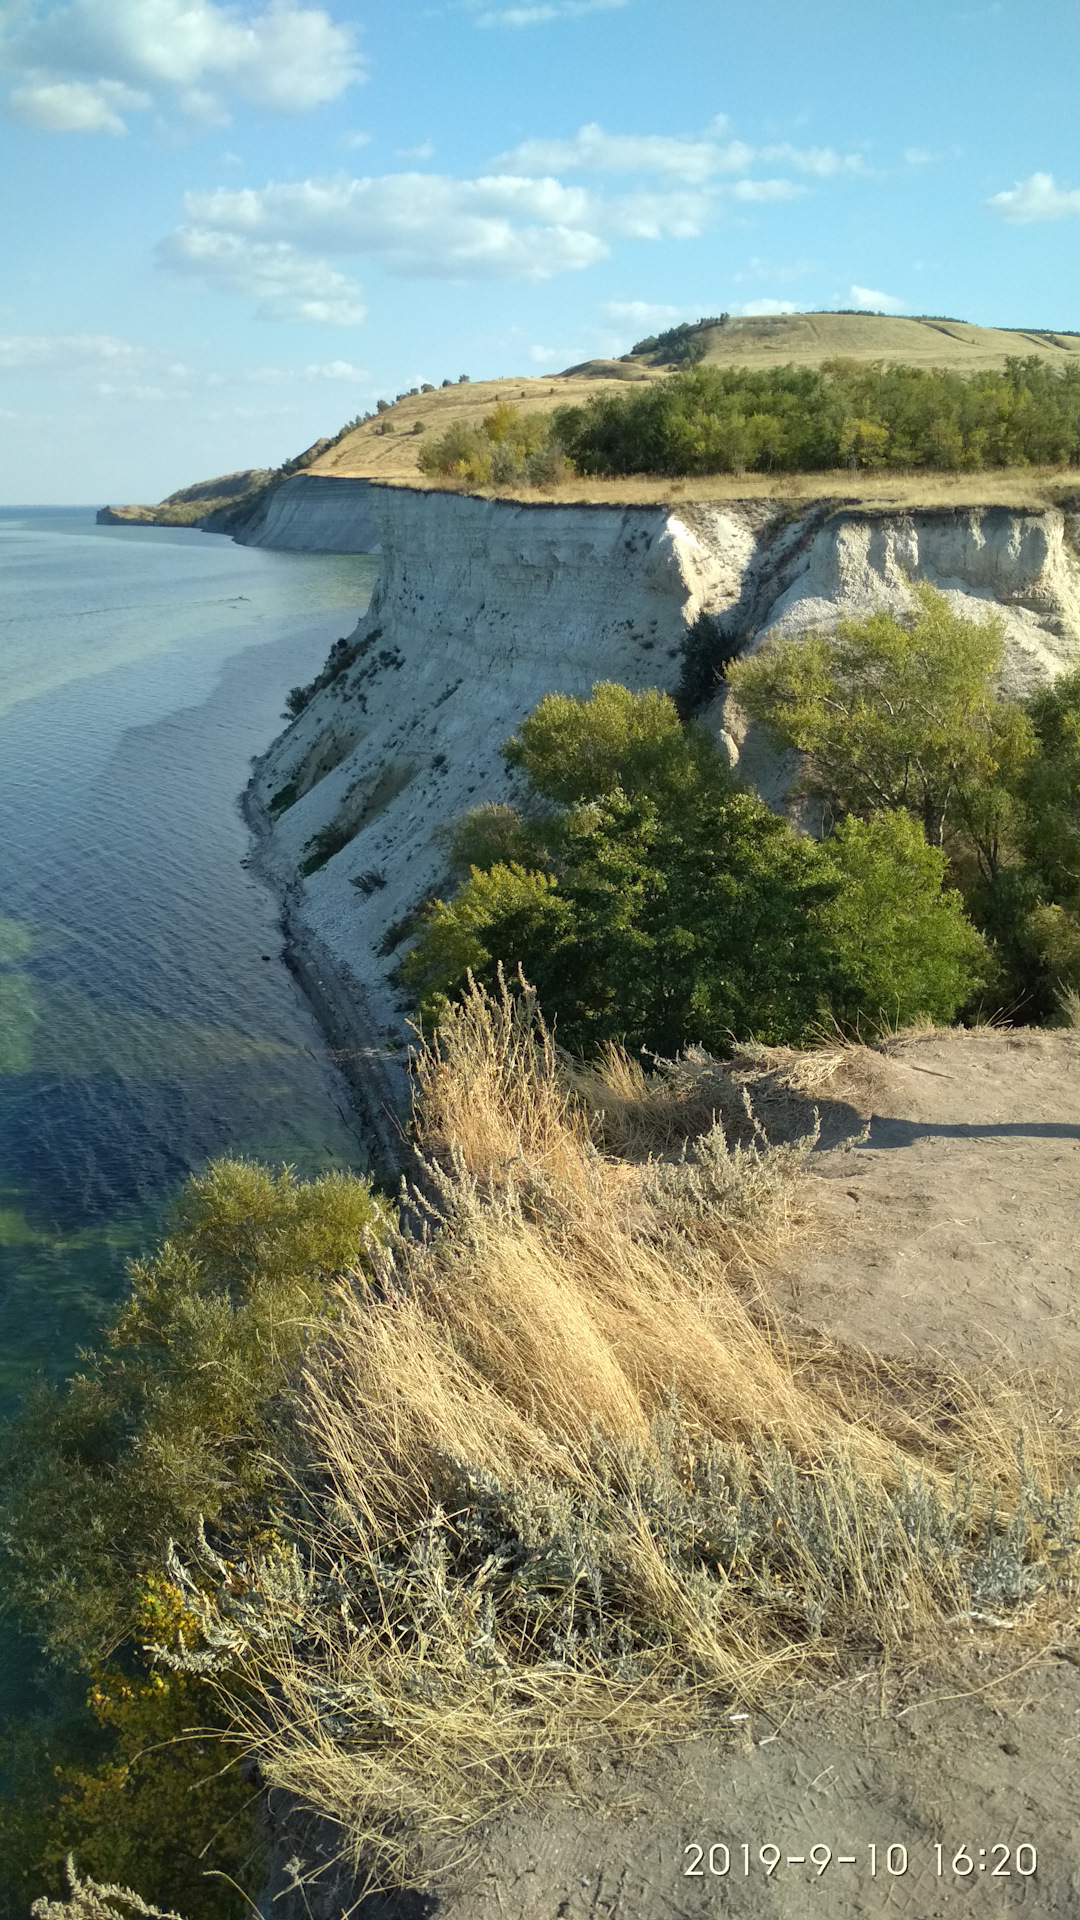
483	606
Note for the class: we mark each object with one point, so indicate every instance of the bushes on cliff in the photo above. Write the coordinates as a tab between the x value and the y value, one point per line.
906	715
666	906
796	419
508	448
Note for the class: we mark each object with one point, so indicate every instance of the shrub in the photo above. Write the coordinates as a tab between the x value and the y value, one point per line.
901	937
164	1425
674	909
894	715
508	448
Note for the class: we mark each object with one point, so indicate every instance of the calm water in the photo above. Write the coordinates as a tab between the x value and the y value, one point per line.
147	1021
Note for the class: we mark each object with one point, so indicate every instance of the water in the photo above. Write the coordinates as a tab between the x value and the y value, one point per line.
147	1021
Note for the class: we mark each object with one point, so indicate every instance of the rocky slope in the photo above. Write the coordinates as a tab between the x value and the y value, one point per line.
485	605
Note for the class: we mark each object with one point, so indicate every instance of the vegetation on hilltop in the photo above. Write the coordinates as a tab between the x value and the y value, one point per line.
845	413
508	448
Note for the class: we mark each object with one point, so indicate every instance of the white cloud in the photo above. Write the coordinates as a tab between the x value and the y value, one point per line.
287	284
540	16
423	152
762	309
752	190
591	150
918	156
872	300
71	106
644	313
824	161
696	158
500	227
196	54
342	370
66	351
1036	198
522	222
657	216
351	141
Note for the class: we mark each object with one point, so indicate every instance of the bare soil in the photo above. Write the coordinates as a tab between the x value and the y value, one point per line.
944	1214
954	1225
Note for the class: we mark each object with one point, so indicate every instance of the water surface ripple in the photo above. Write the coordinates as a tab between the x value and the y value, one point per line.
147	1021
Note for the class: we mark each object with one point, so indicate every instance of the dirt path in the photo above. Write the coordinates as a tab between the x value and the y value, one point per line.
956	1224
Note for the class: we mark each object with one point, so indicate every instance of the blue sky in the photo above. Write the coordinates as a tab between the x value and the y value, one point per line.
227	228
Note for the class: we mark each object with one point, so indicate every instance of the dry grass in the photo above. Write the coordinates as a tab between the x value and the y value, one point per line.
90	1900
1070	1008
555	1483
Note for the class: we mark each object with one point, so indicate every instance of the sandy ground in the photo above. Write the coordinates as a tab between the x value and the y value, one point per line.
952	1224
955	1224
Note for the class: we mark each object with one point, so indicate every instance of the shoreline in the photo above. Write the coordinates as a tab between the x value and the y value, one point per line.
376	1077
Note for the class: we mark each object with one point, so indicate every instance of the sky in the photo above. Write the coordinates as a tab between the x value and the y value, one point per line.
226	229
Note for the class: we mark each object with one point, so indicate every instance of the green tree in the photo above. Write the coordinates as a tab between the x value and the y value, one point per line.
901	937
675	908
893	714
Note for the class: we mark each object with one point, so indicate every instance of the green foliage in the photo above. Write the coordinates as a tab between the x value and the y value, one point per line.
681	346
902	938
166	1422
508	448
893	715
906	716
496	835
578	750
1050	790
163	1807
845	413
676	909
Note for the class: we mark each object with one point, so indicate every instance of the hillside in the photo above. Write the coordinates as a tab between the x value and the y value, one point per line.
806	339
384	446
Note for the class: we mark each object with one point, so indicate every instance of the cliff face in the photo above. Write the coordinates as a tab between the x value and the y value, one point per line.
483	606
307	514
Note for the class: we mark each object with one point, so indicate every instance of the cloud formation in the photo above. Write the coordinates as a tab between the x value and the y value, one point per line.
764	309
540	16
285	283
519	221
871	300
1036	198
66	352
81	64
645	313
697	158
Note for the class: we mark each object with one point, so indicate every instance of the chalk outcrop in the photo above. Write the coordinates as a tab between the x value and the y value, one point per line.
485	605
309	513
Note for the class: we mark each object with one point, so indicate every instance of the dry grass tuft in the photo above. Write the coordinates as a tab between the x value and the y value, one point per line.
90	1900
1070	1008
555	1484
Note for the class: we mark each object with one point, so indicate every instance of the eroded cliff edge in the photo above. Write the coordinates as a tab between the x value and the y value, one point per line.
485	605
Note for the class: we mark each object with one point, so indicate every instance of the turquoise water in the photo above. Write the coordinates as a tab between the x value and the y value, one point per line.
147	1021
